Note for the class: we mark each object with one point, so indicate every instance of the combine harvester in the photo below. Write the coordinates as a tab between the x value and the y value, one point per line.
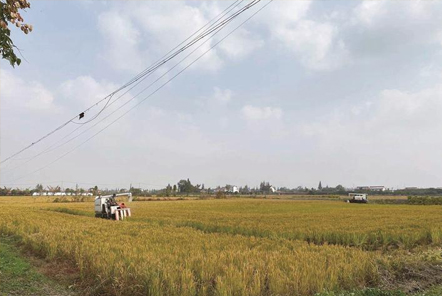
357	198
107	207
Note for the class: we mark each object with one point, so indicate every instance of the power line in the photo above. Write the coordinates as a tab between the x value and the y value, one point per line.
151	94
168	56
73	138
142	74
52	148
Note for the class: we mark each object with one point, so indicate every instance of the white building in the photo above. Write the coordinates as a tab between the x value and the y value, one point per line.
372	188
378	188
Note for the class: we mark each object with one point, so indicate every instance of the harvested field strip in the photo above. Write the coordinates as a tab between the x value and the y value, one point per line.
72	212
369	241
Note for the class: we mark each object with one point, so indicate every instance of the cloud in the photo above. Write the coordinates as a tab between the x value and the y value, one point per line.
354	86
369	11
122	49
286	13
18	93
137	34
397	132
240	44
376	13
316	44
342	36
84	91
158	24
391	114
252	113
382	29
408	111
222	96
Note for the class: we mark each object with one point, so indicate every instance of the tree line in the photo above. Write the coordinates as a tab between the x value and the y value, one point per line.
186	187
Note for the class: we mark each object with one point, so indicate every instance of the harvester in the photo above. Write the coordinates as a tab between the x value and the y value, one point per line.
107	207
357	198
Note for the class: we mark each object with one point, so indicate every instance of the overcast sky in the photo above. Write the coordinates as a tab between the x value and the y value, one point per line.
343	92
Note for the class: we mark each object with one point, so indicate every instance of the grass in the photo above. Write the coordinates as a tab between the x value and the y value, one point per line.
18	276
434	291
365	292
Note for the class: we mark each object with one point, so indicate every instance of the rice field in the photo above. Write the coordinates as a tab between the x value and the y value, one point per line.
222	247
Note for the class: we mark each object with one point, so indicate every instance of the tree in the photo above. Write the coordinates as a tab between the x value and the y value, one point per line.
182	185
39	188
168	190
340	188
320	186
265	187
186	186
10	15
220	195
136	191
54	189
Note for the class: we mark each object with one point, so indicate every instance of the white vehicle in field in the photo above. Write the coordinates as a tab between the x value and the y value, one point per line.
357	198
107	207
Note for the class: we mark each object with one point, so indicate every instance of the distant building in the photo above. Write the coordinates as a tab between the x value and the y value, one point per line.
371	188
229	189
363	188
378	188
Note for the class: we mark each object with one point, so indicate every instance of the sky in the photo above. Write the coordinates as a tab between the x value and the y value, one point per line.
343	92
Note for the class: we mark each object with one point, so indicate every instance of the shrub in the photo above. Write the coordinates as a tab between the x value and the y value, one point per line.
220	195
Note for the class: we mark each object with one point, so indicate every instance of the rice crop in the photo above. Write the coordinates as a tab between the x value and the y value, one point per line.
221	247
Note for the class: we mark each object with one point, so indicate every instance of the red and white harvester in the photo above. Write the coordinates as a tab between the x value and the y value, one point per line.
107	207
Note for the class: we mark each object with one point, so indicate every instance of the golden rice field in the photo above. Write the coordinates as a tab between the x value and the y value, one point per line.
222	247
